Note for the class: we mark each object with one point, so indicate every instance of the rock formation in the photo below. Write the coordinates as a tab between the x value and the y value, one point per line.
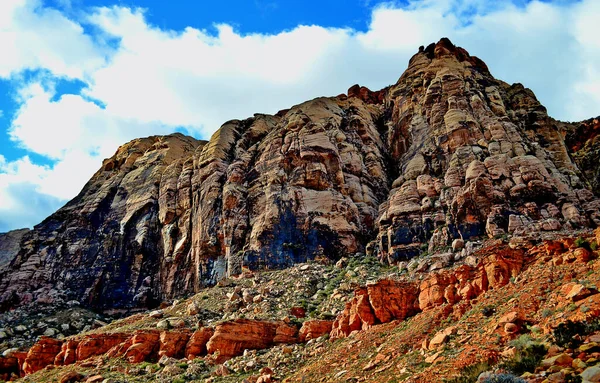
446	153
583	141
439	294
387	300
9	245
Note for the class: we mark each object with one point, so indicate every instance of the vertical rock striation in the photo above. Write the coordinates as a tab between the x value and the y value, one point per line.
447	152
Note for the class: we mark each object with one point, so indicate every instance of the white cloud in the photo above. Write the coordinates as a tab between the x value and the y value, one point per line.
23	203
36	37
153	80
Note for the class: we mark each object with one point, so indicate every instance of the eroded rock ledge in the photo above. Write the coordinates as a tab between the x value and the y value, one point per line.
447	152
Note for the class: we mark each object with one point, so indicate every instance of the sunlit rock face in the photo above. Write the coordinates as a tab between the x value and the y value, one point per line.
447	152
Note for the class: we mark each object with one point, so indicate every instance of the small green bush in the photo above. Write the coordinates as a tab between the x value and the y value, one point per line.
529	354
546	313
570	334
582	242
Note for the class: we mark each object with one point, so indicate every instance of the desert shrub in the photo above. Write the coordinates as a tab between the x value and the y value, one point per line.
488	311
503	378
529	354
582	242
470	373
570	334
594	246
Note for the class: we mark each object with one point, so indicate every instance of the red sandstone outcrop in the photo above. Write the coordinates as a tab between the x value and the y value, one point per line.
68	353
173	343
196	346
392	300
367	95
232	338
142	346
358	315
314	328
388	300
41	354
98	344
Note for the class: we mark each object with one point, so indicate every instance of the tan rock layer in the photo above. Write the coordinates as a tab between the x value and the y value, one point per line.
447	152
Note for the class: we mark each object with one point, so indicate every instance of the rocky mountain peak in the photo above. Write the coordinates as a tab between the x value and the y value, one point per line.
447	156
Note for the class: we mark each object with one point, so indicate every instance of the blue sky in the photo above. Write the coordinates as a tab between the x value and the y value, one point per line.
81	77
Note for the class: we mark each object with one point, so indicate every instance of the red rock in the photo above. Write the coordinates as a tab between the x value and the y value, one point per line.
98	344
366	95
298	312
501	266
264	379
577	292
41	354
433	290
8	366
285	333
95	379
511	328
582	254
441	337
173	343
314	328
71	377
196	346
510	317
357	315
144	346
393	300
68	353
232	338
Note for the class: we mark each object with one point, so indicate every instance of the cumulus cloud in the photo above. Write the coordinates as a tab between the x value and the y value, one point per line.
36	37
23	204
150	80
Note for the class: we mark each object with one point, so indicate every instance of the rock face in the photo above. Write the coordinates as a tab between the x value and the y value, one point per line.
9	245
583	141
227	340
314	328
388	300
232	338
41	354
446	153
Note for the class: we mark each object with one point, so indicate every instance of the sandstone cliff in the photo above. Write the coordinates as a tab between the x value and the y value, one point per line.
9	245
446	153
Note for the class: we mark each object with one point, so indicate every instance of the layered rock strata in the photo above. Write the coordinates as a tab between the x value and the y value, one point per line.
446	153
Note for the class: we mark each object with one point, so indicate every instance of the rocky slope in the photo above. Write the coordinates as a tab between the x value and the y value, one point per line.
9	245
445	156
583	142
408	325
